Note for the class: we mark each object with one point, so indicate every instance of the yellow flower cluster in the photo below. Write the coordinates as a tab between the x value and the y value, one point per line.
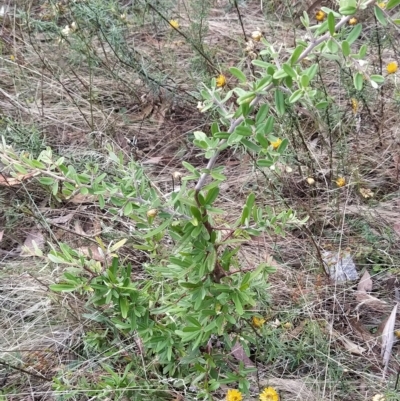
234	395
392	67
341	182
353	21
174	23
354	105
257	322
221	81
276	144
320	15
268	394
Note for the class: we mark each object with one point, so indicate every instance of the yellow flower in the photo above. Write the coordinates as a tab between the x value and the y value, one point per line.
256	35
310	181
392	67
12	57
341	182
276	144
354	105
397	333
381	5
269	394
320	15
378	397
353	21
257	322
221	81
234	395
174	23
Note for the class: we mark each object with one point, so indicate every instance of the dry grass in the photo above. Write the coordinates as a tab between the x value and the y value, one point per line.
78	111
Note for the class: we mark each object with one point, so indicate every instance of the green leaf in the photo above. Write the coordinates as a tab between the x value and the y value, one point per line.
57	259
234	138
262	64
279	102
331	23
243	130
280	74
263	83
238	74
189	167
363	51
221	135
46	180
245	215
378	79
282	147
250	201
289	70
295	96
20	169
311	71
118	245
332	45
124	307
157	230
354	34
347	10
380	16
304	80
392	3
250	145
358	80
214	128
63	287
128	209
262	140
247	98
211	260
322	105
102	202
296	54
217	176
269	125
238	304
55	188
212	195
265	162
345	48
262	113
196	213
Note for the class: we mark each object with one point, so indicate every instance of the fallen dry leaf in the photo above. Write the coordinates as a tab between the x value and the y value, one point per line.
365	283
370	302
79	198
33	242
239	353
61	219
153	160
78	228
12	181
93	252
348	344
388	339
